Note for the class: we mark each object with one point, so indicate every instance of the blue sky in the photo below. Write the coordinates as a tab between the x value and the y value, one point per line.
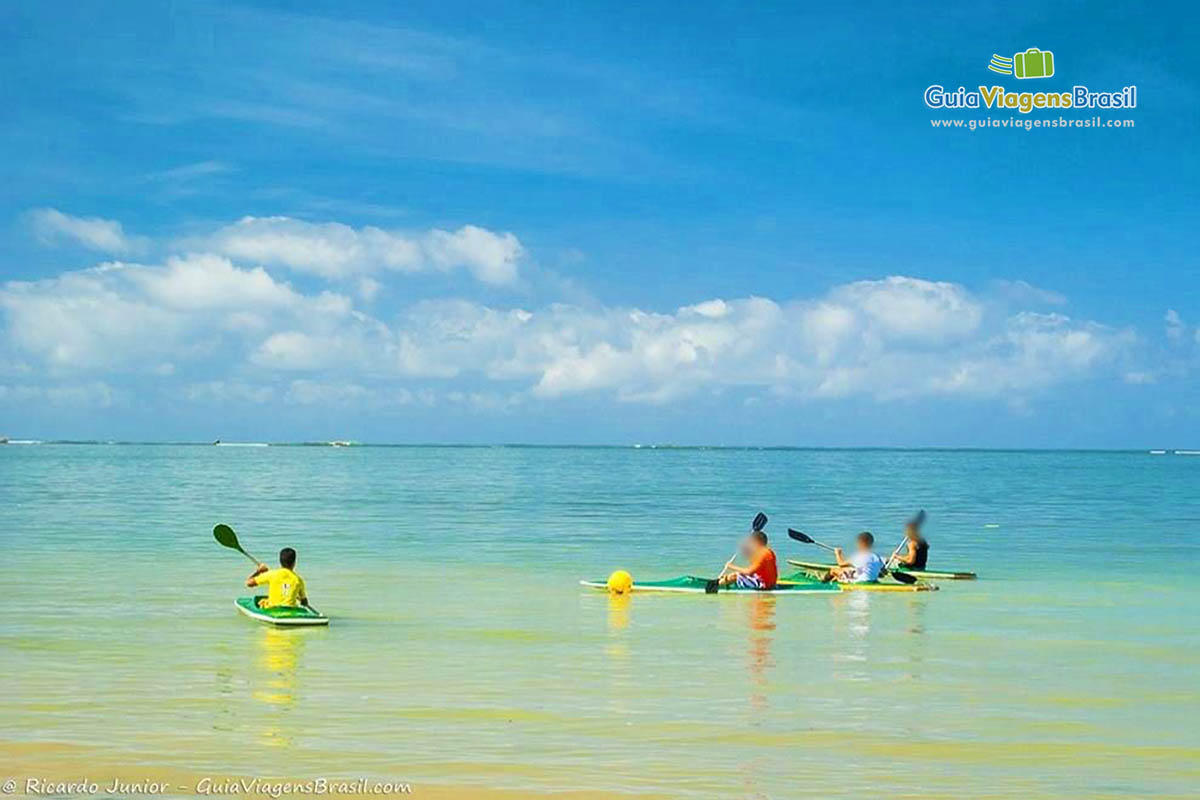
584	223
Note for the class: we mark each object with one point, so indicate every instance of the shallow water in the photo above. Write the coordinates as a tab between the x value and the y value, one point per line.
463	650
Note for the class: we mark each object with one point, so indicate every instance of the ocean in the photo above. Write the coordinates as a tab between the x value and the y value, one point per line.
464	653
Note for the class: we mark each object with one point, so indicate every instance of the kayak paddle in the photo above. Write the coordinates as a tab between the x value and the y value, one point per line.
759	522
800	536
887	565
225	535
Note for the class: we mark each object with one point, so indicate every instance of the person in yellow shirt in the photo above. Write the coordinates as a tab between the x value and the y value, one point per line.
284	586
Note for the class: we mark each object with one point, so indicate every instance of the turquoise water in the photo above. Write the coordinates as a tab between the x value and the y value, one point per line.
463	651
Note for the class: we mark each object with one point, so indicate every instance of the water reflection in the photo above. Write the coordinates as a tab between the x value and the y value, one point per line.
899	627
915	611
760	625
852	632
617	646
761	622
618	611
619	671
275	681
913	646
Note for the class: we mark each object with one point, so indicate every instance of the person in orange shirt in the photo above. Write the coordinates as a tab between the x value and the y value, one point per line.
761	571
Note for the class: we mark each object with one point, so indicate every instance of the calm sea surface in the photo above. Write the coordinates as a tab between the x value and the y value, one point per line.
463	650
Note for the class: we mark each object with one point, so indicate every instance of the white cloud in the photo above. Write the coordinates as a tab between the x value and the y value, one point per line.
896	337
491	257
1026	293
859	339
134	316
86	320
902	309
192	171
368	289
202	282
305	352
1175	326
52	226
1032	352
335	251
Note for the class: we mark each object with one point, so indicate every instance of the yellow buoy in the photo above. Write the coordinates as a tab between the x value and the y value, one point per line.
620	582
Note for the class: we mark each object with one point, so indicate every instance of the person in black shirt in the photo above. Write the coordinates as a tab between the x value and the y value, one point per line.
914	553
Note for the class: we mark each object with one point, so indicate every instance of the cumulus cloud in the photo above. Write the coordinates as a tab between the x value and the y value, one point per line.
52	226
896	337
1032	351
122	315
205	321
900	309
932	340
336	251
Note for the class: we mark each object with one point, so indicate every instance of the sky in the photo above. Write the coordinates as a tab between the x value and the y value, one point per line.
594	224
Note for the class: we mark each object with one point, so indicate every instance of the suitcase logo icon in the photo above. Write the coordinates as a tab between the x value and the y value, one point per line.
1033	63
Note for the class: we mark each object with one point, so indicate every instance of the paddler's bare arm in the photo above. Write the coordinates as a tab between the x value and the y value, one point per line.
749	569
259	571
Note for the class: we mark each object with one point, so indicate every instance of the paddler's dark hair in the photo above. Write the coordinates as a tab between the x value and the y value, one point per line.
760	536
866	538
287	557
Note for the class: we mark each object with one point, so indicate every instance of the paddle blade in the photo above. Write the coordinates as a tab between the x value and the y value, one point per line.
759	523
225	535
903	577
800	537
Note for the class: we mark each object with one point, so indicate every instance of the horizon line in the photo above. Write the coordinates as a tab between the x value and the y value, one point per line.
344	443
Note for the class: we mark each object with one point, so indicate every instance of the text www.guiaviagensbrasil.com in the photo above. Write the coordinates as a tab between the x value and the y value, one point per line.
1017	123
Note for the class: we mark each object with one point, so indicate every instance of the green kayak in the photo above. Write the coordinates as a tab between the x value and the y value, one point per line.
816	566
280	616
798	583
877	586
690	584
